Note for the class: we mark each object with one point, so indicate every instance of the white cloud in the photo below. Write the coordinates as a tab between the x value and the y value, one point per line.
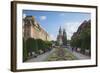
43	17
70	28
52	37
62	14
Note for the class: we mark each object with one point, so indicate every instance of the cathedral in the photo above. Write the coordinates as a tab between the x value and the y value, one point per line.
62	37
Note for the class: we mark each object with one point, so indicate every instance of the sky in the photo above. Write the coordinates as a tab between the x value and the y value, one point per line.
51	21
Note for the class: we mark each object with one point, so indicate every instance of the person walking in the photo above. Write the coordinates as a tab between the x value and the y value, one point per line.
72	49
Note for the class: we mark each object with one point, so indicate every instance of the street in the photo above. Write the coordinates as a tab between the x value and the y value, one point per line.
57	54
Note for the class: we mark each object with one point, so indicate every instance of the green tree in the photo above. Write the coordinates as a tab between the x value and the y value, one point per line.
25	53
82	38
85	39
31	45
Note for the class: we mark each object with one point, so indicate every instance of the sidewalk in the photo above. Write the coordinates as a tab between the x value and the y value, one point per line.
78	55
41	57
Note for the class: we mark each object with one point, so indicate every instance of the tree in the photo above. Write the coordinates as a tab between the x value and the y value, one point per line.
43	45
86	39
31	45
25	53
82	38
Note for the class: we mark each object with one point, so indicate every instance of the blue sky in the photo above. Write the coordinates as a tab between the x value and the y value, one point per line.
52	20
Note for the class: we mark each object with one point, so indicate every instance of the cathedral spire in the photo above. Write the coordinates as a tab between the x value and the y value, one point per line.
64	32
64	37
59	37
60	31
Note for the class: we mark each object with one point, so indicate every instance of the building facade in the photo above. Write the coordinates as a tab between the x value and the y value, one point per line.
32	29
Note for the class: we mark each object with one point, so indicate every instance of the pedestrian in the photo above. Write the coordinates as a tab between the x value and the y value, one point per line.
72	49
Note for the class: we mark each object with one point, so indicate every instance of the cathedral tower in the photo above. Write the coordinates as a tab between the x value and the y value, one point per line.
59	37
62	37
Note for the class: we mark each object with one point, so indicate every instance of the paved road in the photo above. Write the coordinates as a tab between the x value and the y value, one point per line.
78	55
41	57
44	56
